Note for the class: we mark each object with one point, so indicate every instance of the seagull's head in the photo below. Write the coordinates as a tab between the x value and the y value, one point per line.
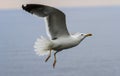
81	36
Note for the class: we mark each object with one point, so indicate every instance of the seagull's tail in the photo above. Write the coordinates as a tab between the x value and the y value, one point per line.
42	46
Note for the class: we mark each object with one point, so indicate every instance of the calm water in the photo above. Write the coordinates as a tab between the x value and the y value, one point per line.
98	55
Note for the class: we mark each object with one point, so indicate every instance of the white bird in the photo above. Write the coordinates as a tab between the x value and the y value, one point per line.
60	38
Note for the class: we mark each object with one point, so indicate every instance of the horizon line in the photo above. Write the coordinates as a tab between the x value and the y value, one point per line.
18	8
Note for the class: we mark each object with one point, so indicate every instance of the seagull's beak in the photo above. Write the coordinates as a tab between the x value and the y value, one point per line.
88	35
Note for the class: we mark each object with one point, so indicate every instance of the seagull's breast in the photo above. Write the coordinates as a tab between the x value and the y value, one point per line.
64	43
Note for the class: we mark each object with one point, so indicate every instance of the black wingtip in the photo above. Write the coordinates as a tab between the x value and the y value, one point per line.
23	6
26	7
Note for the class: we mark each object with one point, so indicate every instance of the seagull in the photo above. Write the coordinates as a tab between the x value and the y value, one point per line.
59	37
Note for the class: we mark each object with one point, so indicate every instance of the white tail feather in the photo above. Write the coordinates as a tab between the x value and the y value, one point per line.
42	46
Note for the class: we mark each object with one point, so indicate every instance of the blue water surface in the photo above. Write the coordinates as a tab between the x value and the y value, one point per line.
98	55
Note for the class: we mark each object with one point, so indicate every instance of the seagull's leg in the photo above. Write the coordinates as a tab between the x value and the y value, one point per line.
55	59
48	56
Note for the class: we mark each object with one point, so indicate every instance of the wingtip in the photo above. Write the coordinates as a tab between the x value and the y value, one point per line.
26	7
23	6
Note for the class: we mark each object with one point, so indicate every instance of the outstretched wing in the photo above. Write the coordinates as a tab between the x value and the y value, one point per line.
56	22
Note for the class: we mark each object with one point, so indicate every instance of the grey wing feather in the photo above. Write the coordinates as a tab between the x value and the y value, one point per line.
55	19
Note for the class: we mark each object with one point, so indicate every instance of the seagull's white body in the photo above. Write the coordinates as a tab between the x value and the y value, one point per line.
43	45
67	42
56	26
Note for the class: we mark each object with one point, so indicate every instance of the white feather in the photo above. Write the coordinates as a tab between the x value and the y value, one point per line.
42	46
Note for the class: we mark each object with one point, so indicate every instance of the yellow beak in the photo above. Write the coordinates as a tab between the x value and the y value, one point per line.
88	34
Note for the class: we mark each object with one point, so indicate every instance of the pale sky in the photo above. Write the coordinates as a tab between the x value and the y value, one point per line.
7	4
